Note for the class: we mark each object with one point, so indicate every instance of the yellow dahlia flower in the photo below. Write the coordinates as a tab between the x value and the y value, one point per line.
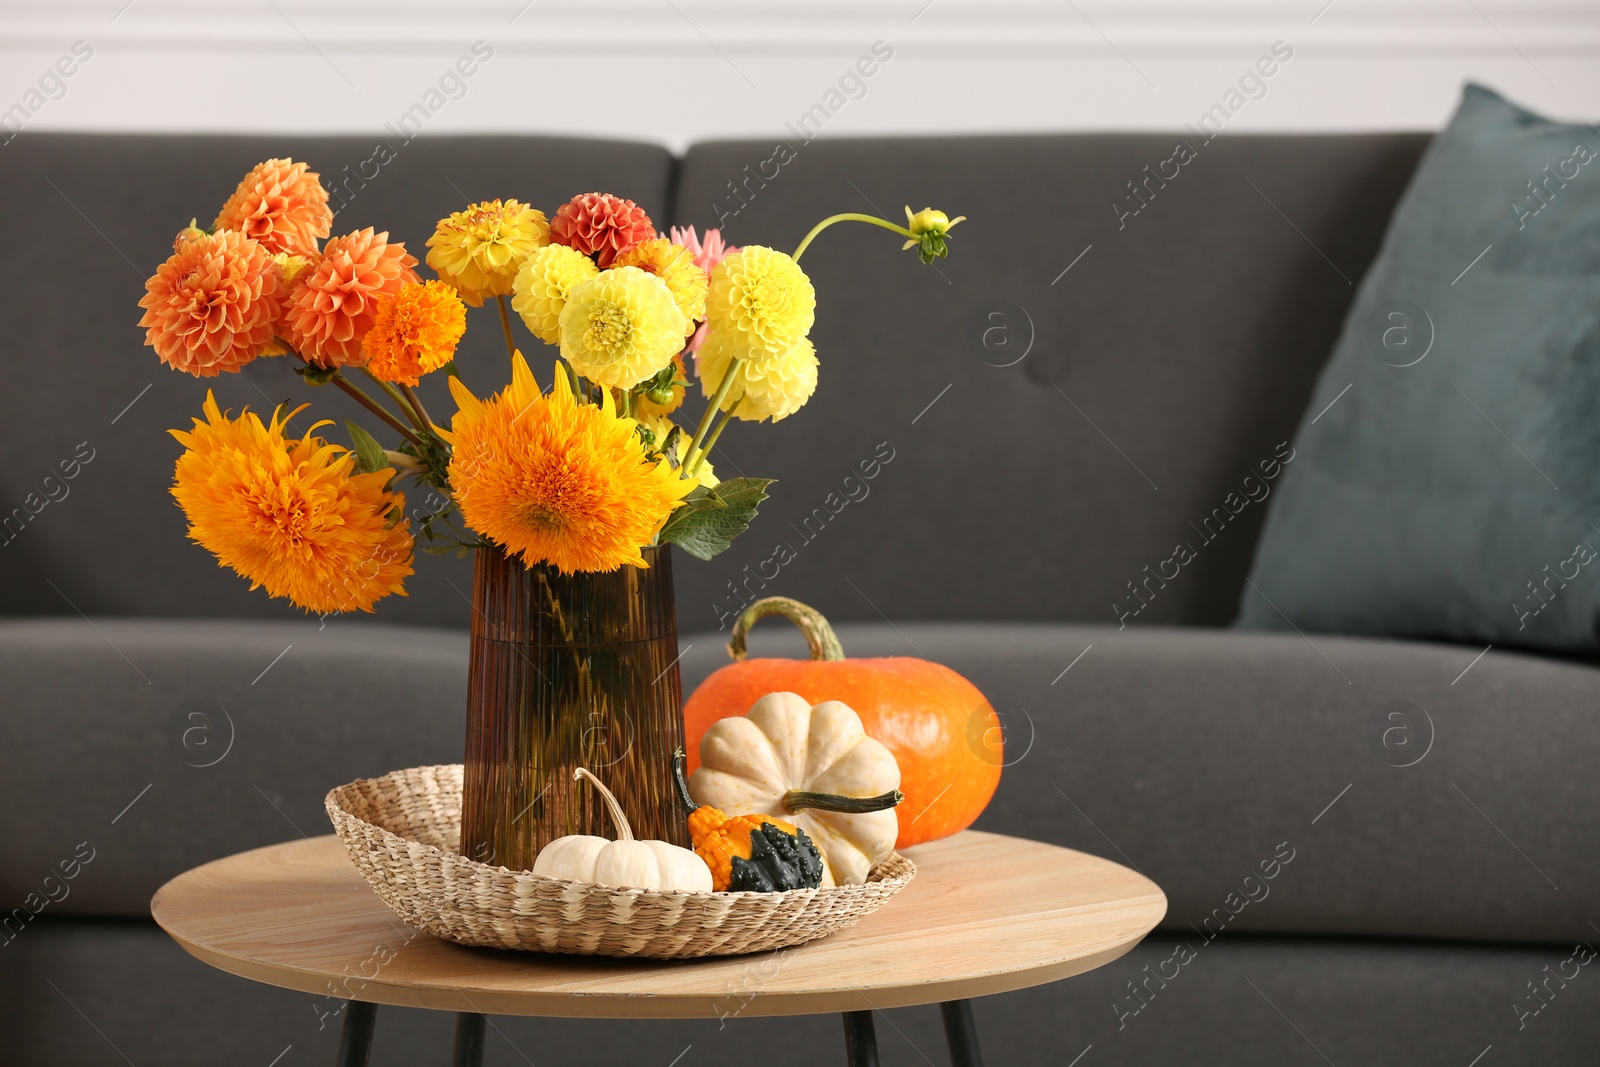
480	250
674	265
620	327
661	428
762	302
289	515
542	285
774	392
705	474
556	480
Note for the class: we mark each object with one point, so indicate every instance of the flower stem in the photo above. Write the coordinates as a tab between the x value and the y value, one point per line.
711	410
416	405
711	442
373	406
405	463
579	389
849	216
398	398
505	324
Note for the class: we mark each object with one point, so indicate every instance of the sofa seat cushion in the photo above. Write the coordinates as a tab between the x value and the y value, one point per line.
1390	788
1195	756
151	746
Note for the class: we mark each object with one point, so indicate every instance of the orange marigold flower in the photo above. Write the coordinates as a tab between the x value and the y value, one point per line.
212	306
601	225
289	515
281	204
480	250
415	330
556	480
331	311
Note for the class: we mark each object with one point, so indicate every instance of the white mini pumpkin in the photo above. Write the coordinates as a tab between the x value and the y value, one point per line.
785	758
625	862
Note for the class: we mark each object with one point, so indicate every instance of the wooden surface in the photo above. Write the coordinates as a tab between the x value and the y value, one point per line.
985	914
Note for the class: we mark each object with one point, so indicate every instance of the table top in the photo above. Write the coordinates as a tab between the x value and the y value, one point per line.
985	914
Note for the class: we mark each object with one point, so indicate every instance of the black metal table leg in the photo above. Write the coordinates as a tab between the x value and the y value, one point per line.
961	1033
355	1037
860	1041
469	1040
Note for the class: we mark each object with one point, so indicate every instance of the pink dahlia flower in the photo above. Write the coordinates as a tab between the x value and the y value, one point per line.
708	251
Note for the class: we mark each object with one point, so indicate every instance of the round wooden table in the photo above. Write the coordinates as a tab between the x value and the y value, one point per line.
985	914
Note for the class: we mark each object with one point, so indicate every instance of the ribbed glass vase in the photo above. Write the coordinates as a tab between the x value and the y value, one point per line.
577	670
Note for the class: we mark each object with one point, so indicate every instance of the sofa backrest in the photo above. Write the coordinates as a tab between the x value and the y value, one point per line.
1124	332
93	216
1082	386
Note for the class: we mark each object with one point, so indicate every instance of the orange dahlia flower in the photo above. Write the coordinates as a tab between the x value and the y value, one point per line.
601	225
213	305
415	330
556	480
289	515
281	204
331	311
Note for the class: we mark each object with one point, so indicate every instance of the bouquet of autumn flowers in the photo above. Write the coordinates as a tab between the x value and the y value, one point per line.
580	476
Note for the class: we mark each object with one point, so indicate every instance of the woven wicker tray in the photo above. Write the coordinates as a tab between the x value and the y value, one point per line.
402	831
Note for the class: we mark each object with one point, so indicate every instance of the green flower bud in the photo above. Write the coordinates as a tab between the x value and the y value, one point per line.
930	229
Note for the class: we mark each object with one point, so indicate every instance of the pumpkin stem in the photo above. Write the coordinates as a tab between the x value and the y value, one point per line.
819	635
796	799
678	761
624	831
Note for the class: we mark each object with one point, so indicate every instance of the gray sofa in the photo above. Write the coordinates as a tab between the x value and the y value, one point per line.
1074	390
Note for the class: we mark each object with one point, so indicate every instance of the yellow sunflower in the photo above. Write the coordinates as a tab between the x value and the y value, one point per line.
542	285
762	302
289	515
775	390
555	480
480	250
621	326
673	264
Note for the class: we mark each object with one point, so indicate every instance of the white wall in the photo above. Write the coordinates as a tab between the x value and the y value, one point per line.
678	70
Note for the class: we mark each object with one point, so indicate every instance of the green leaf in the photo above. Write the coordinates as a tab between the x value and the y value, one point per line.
316	375
369	453
710	519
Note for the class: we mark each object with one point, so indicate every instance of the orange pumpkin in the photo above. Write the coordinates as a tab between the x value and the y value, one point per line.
943	733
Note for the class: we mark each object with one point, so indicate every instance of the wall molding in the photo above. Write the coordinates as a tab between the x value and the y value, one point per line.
679	71
951	26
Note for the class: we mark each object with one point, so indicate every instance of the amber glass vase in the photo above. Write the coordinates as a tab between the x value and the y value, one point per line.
575	670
